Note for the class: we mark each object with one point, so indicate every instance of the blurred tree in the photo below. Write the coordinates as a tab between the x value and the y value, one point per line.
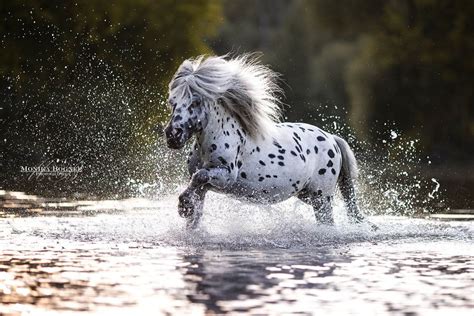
414	67
406	63
286	34
88	79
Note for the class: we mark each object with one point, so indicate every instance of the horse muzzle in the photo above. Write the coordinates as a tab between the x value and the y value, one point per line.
174	137
174	143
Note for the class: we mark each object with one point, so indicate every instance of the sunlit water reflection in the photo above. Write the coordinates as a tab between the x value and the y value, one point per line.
243	259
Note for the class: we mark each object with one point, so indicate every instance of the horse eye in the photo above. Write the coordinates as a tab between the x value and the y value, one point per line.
196	103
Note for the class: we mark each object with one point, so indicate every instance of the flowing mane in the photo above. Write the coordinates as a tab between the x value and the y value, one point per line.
242	85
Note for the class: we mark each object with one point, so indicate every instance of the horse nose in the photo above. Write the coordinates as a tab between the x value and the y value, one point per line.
173	133
178	132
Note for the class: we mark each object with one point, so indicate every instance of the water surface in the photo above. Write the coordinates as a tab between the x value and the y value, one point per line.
244	259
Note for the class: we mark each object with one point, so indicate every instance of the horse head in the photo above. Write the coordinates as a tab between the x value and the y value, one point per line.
188	117
239	86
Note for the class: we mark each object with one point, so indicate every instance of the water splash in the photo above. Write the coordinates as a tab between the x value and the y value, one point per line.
228	224
390	182
435	190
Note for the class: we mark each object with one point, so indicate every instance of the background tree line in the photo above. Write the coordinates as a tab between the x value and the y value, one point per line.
86	81
407	62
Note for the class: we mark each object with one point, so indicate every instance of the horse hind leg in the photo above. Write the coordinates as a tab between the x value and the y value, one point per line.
323	210
346	181
322	206
346	186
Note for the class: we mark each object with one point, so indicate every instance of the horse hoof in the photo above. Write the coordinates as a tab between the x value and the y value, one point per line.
185	206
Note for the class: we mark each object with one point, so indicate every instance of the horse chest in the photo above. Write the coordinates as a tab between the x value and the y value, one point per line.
220	152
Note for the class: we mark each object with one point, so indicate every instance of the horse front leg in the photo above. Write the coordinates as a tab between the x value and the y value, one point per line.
191	201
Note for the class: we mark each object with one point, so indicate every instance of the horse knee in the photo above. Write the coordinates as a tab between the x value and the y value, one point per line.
191	202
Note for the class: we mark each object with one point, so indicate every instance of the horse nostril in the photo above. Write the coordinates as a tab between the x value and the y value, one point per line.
178	132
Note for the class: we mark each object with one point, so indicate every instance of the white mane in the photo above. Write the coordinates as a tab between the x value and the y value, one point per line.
242	85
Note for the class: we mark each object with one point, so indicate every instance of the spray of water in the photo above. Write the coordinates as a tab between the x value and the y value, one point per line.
390	182
229	224
390	186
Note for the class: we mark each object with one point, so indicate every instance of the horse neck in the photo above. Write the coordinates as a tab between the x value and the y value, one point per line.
217	124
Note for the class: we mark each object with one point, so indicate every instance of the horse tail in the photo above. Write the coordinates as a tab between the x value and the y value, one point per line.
349	162
347	179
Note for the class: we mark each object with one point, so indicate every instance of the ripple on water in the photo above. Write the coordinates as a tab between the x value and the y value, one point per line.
243	259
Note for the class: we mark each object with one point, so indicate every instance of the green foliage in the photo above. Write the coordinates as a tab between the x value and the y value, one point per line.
157	33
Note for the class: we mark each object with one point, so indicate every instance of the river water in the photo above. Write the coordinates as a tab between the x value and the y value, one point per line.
244	259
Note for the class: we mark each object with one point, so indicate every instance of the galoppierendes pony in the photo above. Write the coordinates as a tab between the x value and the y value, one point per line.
231	106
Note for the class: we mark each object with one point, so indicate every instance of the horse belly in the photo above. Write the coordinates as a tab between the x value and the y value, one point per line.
271	185
261	194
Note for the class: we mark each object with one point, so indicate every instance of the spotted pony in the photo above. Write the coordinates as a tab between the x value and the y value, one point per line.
232	107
